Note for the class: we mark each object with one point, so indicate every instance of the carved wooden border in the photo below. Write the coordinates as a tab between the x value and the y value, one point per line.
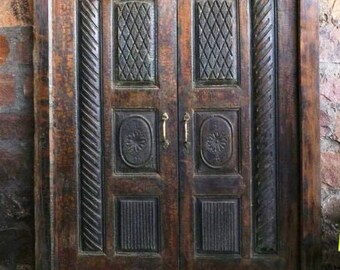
309	136
265	126
90	126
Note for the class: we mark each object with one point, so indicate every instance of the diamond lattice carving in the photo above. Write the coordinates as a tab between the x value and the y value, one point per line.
136	42
216	44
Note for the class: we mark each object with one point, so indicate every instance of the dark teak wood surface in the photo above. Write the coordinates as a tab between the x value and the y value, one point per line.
176	134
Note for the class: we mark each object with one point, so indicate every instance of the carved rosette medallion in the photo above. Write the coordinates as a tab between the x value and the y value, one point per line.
216	141
135	137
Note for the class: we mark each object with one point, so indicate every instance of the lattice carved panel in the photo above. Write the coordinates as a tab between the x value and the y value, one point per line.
135	46
216	41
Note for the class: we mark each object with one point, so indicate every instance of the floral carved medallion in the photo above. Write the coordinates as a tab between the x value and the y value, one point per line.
135	139
216	141
135	142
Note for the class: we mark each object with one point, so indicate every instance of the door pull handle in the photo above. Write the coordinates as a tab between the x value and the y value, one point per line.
186	119
165	141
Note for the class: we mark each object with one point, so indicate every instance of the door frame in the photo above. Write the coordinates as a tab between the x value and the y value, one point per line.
309	130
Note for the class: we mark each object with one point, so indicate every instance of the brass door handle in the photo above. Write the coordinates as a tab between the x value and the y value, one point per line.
186	119
165	141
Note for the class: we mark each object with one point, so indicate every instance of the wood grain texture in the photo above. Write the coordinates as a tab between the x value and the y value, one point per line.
90	126
43	251
310	136
264	113
63	137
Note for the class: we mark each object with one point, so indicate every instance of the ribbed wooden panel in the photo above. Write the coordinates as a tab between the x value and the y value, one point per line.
138	225
219	226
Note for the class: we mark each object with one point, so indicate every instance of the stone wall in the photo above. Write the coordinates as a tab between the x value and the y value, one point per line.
16	133
330	129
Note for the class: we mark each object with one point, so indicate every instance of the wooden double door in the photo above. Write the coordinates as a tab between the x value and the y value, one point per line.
182	119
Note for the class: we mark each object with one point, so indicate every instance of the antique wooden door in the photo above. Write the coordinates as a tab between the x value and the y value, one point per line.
238	163
128	210
174	135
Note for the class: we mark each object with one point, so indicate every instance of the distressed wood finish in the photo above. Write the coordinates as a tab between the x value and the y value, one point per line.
90	126
310	136
229	190
140	86
63	136
268	120
216	163
42	188
265	126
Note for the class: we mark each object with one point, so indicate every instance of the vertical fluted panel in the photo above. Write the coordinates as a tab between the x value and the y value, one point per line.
219	226
265	147
90	133
138	226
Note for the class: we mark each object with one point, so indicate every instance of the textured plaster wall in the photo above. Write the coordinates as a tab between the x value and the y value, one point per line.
330	129
16	133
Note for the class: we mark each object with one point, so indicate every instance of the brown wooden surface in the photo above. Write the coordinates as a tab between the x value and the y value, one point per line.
226	186
63	136
205	101
309	136
297	205
41	112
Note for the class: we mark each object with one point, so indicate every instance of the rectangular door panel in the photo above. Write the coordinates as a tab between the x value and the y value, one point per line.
134	203
214	90
232	127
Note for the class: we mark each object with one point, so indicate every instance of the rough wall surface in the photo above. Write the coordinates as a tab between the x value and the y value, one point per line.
330	129
16	135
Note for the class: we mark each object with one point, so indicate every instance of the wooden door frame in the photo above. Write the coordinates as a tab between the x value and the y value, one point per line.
309	130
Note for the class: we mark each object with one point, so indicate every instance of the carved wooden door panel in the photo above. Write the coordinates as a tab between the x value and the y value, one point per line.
237	113
128	183
177	135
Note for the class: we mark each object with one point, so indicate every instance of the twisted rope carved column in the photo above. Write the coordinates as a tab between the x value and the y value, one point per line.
264	113
90	130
